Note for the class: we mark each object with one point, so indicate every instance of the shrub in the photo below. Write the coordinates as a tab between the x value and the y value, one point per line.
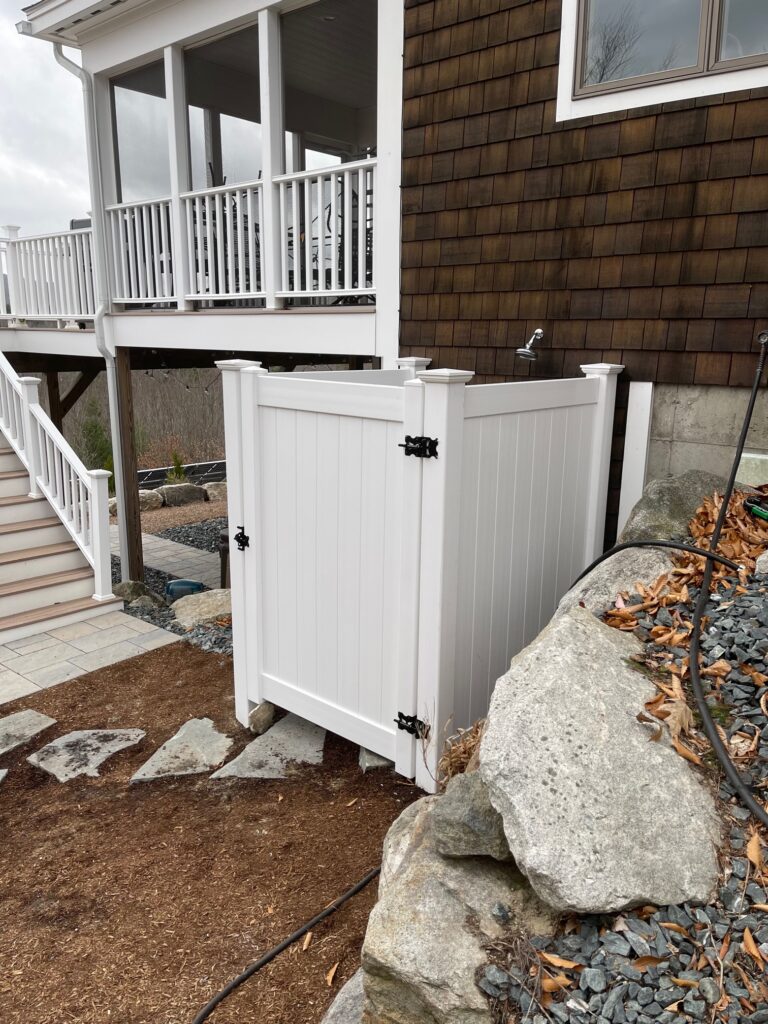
176	474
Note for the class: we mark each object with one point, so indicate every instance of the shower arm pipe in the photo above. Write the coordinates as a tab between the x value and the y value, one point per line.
101	288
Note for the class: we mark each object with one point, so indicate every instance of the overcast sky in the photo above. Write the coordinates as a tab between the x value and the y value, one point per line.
43	173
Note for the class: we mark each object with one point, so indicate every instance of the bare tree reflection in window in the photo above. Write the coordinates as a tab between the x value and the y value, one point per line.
614	44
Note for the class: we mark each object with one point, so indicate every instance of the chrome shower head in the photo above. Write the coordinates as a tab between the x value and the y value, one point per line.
528	352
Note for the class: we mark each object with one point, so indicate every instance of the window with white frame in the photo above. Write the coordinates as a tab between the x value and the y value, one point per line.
617	54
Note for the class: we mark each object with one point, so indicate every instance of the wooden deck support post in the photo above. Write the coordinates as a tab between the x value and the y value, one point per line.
54	399
129	466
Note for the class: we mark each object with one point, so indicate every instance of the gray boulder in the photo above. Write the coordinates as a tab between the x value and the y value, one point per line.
150	500
216	491
203	607
147	603
427	934
668	505
598	590
596	816
181	494
347	1007
761	567
131	590
261	717
465	824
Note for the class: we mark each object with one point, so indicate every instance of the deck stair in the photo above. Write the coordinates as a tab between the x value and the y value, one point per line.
54	527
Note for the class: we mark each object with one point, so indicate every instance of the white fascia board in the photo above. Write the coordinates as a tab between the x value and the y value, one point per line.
48	341
569	107
52	20
136	35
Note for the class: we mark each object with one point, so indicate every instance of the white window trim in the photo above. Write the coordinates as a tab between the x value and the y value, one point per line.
608	102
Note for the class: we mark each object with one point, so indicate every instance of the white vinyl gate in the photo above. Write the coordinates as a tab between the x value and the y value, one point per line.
379	586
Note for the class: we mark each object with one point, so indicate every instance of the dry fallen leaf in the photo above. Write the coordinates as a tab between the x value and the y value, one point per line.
556	984
755	853
331	974
679	719
647	961
683	751
558	961
674	927
751	947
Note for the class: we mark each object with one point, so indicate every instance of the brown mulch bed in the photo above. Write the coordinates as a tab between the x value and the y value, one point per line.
135	904
180	515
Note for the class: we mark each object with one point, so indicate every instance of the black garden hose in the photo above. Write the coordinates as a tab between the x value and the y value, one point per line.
721	751
209	1007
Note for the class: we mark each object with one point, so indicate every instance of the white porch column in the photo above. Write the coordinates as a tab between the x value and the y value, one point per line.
605	374
178	162
272	148
438	599
12	230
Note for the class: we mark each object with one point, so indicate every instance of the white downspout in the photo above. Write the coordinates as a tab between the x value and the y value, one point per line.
101	287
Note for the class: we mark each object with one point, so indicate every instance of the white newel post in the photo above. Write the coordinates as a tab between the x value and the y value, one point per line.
12	230
440	524
272	149
29	397
238	449
102	556
178	149
600	460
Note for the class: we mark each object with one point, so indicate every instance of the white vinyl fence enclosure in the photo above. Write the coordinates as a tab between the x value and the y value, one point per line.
377	584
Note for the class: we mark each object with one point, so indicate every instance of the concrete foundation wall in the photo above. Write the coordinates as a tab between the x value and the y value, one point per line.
697	426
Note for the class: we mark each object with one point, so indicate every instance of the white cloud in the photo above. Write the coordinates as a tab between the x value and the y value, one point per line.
43	170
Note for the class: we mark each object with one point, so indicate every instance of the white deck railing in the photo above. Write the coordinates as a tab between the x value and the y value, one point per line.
326	230
78	496
224	228
50	276
325	221
140	244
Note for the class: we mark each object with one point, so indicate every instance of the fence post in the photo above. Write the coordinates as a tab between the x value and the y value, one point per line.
414	364
100	544
600	458
440	512
13	268
237	472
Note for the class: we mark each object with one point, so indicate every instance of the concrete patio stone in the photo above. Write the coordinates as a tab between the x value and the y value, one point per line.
97	640
13	686
74	631
21	727
82	752
197	747
52	675
274	755
106	656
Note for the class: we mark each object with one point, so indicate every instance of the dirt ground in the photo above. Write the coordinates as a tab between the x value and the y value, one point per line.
180	515
135	904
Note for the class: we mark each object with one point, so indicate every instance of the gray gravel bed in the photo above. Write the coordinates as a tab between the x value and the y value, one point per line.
616	983
204	536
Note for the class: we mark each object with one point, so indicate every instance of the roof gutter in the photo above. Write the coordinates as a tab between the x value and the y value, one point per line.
101	287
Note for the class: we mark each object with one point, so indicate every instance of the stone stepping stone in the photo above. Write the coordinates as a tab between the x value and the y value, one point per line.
21	727
83	751
197	747
289	742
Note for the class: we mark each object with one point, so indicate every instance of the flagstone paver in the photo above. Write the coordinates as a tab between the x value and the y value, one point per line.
197	747
82	752
45	659
289	742
21	727
179	560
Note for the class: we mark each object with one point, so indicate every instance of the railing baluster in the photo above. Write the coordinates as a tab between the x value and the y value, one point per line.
210	262
155	226
199	246
296	231
240	215
282	221
191	244
308	232
147	250
220	246
334	231
348	249
229	244
361	228
320	233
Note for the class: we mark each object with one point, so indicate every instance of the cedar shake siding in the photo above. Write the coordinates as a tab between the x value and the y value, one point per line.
639	237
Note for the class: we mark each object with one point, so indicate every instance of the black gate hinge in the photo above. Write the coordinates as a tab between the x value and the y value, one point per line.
242	539
421	447
412	725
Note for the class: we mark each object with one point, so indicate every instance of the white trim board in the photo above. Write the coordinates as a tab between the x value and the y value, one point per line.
569	107
637	439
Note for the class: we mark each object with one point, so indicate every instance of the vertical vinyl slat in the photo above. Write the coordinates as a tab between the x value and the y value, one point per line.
168	288
252	284
199	245
243	205
283	225
147	239
130	236
297	247
220	247
229	243
334	230
361	204
155	227
88	270
320	234
211	289
308	229
80	274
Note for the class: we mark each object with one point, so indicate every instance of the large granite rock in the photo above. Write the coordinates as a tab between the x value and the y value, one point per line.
347	1007
668	505
426	935
216	491
150	500
599	589
465	824
181	494
761	566
597	817
132	590
203	607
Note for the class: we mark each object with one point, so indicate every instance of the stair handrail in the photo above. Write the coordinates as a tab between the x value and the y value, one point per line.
78	496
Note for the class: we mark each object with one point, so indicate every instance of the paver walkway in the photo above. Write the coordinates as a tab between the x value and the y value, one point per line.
176	559
36	662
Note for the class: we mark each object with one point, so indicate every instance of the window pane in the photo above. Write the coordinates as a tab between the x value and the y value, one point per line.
745	29
640	37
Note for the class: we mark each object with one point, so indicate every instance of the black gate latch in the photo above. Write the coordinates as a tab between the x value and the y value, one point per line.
412	725
242	539
421	447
